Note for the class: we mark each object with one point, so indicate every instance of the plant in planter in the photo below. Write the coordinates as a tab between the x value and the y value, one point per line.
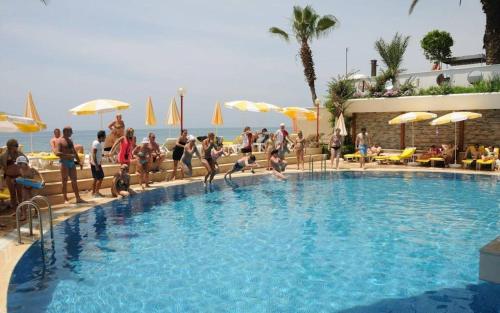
392	54
437	46
340	90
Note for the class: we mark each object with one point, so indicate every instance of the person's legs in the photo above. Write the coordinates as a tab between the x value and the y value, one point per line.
174	170
297	155
64	181
74	184
337	160
11	185
212	174
302	158
94	185
208	168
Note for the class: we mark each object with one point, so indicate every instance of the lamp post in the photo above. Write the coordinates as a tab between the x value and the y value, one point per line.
317	102
182	92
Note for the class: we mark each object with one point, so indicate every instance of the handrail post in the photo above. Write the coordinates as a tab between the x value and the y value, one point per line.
44	199
30	205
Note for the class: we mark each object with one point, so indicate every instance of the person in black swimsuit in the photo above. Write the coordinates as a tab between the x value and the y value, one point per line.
206	153
11	171
178	152
121	183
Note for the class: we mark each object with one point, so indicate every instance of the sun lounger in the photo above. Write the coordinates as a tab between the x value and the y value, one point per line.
437	160
4	194
490	163
405	155
424	162
351	156
467	163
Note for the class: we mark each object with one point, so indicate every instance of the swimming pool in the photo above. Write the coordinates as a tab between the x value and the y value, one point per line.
332	242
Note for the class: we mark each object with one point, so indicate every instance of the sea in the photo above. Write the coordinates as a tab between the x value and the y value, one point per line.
41	139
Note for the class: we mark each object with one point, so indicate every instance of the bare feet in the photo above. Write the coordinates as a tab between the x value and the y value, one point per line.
80	200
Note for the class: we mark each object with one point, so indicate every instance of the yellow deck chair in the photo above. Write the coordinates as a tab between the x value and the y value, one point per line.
4	194
425	162
352	156
405	155
491	162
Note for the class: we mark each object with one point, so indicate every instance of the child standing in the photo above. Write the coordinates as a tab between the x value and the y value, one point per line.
96	163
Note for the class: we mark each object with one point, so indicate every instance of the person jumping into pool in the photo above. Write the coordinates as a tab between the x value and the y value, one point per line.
30	179
69	159
208	162
278	165
362	143
121	183
189	150
241	164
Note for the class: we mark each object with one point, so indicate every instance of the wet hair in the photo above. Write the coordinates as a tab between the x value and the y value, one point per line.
67	129
101	134
56	130
363	129
12	143
264	130
275	151
251	158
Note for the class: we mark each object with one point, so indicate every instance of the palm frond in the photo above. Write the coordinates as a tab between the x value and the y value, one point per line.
412	6
325	24
392	53
279	32
297	14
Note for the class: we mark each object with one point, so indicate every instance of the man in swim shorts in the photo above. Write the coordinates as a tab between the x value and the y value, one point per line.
362	143
68	158
241	164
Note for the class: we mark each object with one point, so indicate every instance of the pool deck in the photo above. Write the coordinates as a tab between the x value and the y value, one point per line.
11	251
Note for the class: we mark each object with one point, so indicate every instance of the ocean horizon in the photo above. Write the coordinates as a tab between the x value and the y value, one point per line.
41	140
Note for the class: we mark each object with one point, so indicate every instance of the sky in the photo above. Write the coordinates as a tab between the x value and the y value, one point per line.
73	51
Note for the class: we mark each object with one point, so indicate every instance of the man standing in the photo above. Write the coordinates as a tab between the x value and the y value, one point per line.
95	163
68	155
54	140
282	141
362	143
156	156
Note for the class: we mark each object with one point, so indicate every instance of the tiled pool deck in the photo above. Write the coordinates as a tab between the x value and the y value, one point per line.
10	251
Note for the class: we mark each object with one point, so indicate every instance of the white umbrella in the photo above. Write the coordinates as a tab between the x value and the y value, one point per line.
341	125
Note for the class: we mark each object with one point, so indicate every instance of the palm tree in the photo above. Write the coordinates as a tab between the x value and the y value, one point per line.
491	39
392	55
307	25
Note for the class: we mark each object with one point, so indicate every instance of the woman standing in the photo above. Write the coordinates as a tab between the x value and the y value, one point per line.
247	140
208	162
270	146
127	145
336	147
300	147
117	130
11	171
189	150
178	152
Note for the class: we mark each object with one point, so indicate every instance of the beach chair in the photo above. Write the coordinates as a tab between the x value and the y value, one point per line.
351	156
424	162
491	163
404	156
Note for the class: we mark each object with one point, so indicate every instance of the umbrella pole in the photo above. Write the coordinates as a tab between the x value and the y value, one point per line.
412	134
31	142
100	119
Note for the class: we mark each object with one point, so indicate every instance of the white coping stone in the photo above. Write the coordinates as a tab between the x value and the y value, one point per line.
489	261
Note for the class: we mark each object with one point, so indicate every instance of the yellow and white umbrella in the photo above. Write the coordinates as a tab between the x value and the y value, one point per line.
411	117
99	106
150	113
173	117
217	117
249	106
30	111
455	117
298	113
14	124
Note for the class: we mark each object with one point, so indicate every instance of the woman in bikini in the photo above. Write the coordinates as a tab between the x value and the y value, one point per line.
335	148
178	152
117	130
299	146
11	171
208	162
189	150
143	154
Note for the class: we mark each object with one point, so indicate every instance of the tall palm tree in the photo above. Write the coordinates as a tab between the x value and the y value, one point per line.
307	25
392	54
491	39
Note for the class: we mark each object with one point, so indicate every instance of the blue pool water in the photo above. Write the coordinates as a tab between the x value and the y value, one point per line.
335	242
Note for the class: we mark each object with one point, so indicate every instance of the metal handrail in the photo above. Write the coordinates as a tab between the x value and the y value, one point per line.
44	199
30	205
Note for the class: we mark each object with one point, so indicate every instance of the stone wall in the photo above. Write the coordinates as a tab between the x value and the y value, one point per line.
485	130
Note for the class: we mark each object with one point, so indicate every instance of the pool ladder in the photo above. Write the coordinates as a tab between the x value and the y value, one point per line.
322	165
32	204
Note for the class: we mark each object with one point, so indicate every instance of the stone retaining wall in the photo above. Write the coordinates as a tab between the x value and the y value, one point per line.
485	130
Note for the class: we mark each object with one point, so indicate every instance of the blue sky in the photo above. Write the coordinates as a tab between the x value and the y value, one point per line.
72	51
